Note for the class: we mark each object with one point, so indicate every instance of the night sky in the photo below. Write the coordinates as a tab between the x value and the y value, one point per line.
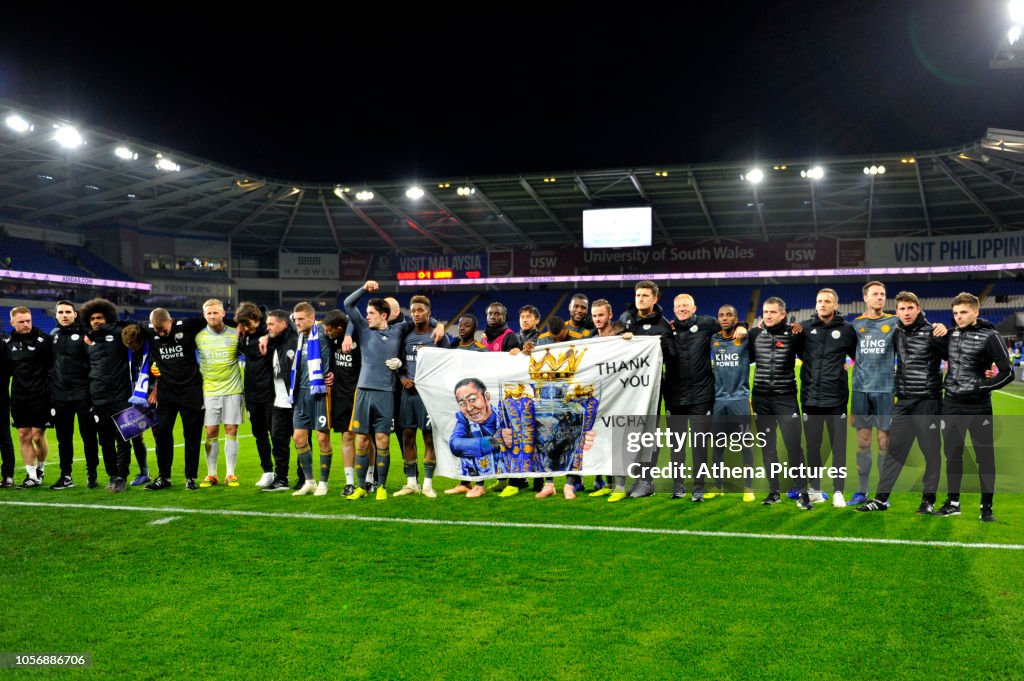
454	89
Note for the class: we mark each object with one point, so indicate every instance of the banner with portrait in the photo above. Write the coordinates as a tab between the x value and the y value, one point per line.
547	413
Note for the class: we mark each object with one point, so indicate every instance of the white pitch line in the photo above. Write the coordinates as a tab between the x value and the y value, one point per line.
164	521
153	449
1016	397
528	526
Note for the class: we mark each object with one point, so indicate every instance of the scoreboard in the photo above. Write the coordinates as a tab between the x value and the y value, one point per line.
428	275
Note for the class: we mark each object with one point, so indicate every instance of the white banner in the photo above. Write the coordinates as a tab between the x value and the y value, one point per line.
560	404
951	250
308	265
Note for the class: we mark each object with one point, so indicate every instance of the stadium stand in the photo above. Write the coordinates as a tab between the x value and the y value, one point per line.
32	256
90	262
28	255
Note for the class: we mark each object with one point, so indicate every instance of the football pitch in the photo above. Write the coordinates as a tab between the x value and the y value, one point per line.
234	583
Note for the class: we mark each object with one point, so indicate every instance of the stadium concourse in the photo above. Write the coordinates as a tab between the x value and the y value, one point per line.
213	379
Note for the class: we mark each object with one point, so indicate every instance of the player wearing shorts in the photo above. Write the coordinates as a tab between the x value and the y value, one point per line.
343	391
873	383
730	358
30	356
917	414
395	318
373	411
872	401
310	381
413	414
222	391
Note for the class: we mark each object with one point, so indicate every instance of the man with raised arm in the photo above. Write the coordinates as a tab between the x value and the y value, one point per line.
373	411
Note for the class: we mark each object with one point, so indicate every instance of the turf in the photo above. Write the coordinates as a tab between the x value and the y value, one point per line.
295	596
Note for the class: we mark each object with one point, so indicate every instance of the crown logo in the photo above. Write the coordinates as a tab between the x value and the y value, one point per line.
551	367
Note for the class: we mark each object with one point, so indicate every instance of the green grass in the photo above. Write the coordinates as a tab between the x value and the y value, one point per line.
212	596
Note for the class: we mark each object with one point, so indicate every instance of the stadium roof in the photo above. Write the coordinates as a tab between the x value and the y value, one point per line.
976	187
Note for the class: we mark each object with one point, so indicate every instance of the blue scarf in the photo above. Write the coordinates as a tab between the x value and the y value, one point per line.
140	388
313	369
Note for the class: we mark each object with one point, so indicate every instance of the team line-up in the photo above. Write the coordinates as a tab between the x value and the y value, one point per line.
355	374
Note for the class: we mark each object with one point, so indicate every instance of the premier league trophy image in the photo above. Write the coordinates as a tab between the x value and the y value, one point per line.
550	416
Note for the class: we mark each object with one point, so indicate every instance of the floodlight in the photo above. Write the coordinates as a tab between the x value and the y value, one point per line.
18	124
167	164
753	176
68	137
414	193
1016	8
